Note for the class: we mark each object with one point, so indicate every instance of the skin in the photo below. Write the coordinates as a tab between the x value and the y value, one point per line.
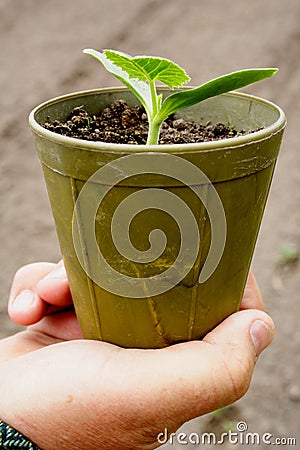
65	392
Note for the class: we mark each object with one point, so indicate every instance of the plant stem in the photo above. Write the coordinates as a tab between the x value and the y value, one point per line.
153	134
153	98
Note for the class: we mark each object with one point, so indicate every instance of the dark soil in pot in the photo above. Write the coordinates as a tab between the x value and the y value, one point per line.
121	124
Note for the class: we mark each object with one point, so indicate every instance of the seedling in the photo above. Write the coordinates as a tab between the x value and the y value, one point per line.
140	74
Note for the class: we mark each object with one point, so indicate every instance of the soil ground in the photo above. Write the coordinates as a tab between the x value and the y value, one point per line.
41	58
120	124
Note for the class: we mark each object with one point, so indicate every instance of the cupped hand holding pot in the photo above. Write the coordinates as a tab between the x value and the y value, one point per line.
65	392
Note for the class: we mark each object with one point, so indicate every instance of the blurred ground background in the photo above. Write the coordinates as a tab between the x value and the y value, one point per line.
41	57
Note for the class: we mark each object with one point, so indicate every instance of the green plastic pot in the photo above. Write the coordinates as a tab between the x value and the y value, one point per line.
237	172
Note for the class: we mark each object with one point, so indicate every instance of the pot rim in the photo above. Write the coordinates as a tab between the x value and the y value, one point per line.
262	134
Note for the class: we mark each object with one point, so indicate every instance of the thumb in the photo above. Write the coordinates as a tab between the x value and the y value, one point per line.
251	330
240	338
209	374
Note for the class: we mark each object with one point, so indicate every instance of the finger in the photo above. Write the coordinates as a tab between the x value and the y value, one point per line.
63	326
25	306
54	287
252	298
38	289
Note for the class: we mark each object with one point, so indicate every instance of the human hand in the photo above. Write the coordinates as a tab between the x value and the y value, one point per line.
89	394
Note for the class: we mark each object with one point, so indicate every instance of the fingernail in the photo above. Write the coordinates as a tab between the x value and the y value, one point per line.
24	298
261	335
59	273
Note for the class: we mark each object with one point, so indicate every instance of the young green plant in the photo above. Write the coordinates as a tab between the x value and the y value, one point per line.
140	74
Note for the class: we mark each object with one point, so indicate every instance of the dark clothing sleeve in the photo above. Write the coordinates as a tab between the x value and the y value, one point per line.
12	439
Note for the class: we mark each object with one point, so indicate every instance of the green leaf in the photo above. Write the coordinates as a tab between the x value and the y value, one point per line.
225	83
149	68
139	88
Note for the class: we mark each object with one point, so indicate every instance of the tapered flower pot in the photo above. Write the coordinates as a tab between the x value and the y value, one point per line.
157	241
